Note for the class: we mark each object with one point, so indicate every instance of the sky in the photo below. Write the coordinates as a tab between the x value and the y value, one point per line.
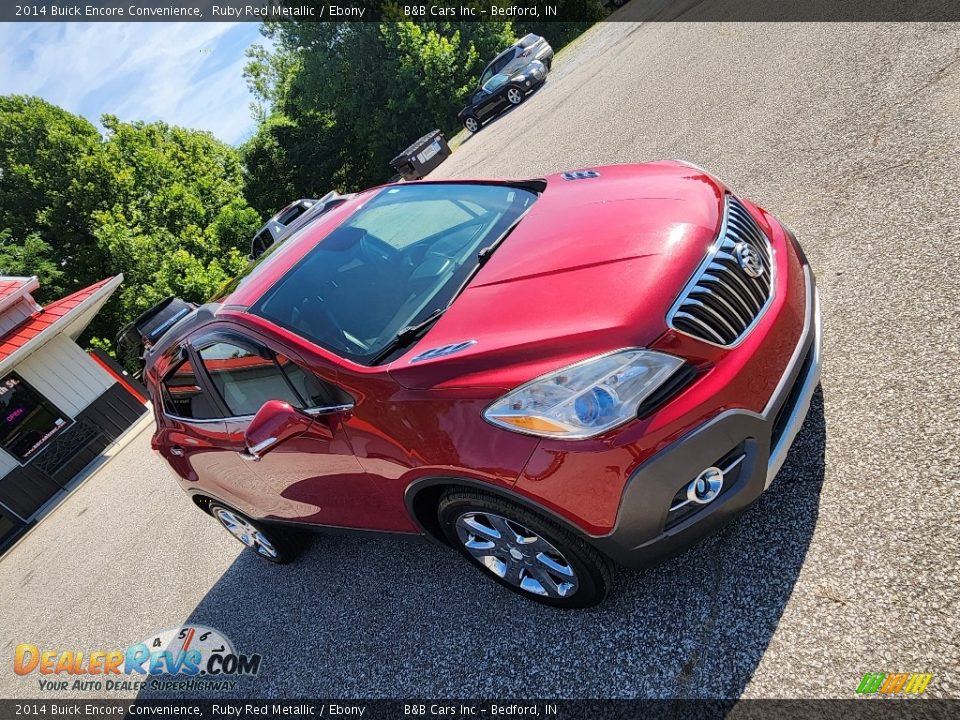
188	74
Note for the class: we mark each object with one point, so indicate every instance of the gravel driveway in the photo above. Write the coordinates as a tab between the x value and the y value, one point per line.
848	564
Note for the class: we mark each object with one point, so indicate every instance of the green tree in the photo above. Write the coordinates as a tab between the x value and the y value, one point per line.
50	181
161	204
175	221
337	101
31	256
345	98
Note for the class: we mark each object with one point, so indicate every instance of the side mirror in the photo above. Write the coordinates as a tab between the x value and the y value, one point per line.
274	423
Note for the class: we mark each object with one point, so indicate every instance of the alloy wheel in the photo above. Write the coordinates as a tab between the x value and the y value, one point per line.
516	554
471	124
245	532
514	96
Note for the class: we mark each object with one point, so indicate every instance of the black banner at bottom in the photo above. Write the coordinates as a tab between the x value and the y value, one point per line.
855	709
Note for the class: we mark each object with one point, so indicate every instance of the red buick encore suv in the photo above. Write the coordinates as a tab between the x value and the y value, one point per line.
553	376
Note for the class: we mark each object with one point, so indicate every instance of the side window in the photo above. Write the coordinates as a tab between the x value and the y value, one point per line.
183	396
261	241
313	390
244	379
503	62
488	73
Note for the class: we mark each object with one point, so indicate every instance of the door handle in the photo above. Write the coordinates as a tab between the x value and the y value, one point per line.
176	450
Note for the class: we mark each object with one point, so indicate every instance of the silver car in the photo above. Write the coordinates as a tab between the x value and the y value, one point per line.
293	217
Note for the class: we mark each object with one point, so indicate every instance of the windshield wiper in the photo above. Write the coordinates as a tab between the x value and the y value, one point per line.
484	254
413	332
407	335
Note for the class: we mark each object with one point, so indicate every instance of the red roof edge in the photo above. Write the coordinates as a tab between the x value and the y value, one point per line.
25	331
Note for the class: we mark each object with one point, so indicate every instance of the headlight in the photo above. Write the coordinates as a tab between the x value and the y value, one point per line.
585	399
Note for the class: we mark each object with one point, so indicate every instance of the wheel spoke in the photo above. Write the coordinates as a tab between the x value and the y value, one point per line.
554	566
538	582
264	546
495	565
514	574
516	554
478	528
503	527
551	586
480	549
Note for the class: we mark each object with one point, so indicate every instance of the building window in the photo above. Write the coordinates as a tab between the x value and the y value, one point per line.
28	421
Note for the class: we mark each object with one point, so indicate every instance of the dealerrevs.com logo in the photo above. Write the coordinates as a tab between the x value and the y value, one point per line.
894	683
190	657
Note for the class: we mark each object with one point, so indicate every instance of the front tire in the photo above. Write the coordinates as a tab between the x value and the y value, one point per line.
514	96
471	124
272	544
532	556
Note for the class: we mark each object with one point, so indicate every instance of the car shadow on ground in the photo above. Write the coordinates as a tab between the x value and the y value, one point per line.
359	617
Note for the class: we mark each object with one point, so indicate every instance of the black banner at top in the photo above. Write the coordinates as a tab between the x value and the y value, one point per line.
478	10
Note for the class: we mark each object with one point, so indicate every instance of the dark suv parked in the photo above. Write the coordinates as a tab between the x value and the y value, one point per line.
507	80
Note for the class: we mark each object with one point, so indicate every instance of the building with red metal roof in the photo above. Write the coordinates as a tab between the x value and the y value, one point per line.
60	407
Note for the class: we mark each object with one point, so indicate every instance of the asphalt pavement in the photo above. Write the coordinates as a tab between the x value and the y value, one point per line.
847	565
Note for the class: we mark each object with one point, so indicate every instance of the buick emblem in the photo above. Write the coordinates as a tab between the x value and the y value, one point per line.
749	259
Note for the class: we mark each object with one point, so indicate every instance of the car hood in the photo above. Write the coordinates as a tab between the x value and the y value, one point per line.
594	266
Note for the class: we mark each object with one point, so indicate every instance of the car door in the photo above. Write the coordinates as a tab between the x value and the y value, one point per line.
492	100
491	103
193	436
313	477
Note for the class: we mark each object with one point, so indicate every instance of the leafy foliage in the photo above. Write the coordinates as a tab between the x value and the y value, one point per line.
345	98
49	184
163	205
32	256
340	100
174	209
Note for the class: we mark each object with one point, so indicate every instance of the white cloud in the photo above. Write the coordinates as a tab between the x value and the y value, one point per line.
183	73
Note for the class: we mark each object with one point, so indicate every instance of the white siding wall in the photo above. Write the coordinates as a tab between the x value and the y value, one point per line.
65	375
16	314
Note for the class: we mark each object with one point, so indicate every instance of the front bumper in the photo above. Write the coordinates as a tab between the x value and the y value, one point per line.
751	447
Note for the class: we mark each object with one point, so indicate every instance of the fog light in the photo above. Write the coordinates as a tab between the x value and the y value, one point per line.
528	83
706	486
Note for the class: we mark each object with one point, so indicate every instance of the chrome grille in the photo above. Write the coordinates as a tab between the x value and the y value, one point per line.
733	286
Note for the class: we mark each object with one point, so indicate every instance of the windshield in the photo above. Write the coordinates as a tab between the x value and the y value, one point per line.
495	82
495	68
395	261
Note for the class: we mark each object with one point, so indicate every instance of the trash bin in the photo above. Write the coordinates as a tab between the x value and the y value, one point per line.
422	156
